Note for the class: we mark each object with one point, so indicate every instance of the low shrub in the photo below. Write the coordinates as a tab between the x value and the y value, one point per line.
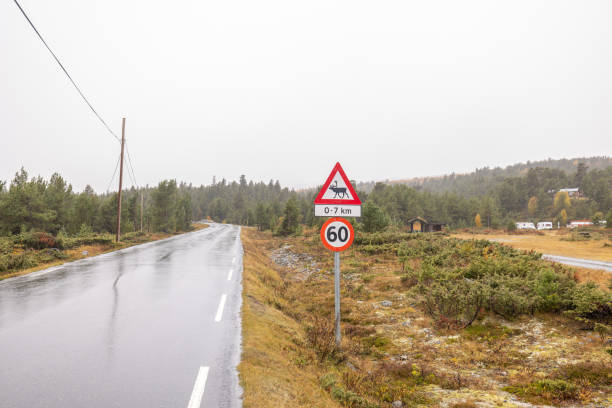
321	337
95	239
455	280
488	332
588	301
377	341
468	403
453	303
546	390
358	331
345	397
586	372
24	260
37	240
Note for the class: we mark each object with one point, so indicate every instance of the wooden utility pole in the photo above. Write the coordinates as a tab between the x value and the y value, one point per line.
118	238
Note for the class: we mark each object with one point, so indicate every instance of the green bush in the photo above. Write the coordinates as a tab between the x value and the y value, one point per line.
373	218
6	246
590	302
37	240
452	302
549	390
457	279
95	239
25	260
379	238
345	397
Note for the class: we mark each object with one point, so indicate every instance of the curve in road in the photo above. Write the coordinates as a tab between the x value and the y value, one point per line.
581	263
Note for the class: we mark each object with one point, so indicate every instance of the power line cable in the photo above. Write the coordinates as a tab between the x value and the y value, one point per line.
130	164
131	176
66	72
130	173
114	173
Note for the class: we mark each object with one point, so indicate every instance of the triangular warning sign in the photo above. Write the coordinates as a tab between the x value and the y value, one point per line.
337	189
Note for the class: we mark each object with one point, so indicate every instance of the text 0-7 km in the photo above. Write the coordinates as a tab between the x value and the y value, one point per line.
337	210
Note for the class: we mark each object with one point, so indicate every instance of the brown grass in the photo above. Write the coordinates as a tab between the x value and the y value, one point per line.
600	277
276	370
550	243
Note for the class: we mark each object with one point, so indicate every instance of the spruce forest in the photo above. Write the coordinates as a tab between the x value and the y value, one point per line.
500	198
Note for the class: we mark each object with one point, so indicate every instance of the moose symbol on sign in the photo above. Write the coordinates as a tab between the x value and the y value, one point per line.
339	192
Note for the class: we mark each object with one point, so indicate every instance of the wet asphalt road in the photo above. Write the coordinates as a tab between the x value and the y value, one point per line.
127	329
581	263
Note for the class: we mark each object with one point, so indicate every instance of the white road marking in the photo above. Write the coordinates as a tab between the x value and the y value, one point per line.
234	260
198	388
220	309
229	276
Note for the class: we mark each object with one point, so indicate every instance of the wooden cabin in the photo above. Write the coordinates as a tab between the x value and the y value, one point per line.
420	224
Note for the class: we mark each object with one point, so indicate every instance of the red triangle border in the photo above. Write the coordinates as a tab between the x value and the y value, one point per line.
354	201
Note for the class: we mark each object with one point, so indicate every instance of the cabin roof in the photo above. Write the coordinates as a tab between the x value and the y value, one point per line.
418	219
423	220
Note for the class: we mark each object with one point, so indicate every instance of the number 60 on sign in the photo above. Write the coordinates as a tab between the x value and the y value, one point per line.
337	234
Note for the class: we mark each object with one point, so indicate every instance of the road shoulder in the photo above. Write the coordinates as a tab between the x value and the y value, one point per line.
274	371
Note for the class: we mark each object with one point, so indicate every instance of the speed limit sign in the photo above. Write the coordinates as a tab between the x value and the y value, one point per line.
337	234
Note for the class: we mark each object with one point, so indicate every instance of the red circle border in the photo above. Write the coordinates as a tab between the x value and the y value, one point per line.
345	246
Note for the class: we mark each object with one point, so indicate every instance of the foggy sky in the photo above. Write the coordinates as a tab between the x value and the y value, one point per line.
279	89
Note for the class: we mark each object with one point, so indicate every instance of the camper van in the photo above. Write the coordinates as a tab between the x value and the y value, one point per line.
525	225
545	225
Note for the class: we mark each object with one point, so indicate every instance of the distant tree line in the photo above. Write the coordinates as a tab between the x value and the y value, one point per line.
532	196
481	181
52	205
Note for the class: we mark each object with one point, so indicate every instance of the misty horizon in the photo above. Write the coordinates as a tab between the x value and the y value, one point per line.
282	91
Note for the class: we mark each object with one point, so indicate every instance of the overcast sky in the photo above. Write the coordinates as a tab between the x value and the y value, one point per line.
283	89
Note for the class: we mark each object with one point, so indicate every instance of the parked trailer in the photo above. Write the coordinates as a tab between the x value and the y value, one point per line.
525	225
545	225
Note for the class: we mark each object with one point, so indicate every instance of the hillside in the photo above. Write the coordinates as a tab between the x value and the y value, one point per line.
476	181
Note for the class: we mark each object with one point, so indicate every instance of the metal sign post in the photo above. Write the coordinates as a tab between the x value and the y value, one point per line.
337	296
337	197
337	234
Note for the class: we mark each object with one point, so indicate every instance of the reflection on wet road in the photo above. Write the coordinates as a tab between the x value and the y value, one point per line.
133	328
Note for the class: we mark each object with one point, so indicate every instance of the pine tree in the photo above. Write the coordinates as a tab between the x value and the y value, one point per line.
291	214
164	204
373	218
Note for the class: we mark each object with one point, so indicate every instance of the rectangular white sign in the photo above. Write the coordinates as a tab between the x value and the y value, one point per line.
337	210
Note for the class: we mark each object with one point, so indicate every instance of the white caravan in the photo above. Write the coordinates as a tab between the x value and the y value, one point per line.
525	225
545	225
